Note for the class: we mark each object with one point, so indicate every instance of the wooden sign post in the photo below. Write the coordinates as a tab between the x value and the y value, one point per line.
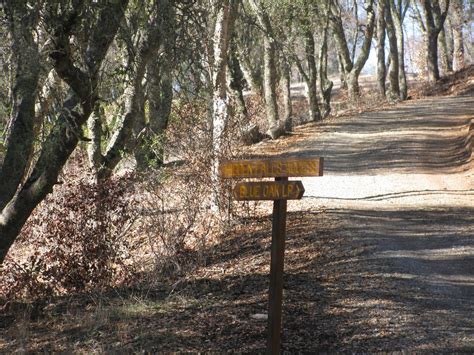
279	191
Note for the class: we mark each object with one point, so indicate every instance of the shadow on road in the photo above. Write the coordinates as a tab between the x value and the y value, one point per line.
399	279
428	137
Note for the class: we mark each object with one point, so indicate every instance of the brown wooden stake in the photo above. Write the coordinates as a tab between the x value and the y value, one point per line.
276	274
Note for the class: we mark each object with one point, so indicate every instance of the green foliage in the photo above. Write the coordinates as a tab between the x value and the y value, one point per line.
152	150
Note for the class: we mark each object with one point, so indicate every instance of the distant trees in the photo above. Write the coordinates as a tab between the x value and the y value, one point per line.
431	19
269	67
305	25
351	66
398	11
390	16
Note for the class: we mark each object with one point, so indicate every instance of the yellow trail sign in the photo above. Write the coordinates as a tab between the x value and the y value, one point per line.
284	167
268	190
279	191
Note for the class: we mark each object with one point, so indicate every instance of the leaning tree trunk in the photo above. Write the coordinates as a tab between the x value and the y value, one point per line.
20	137
134	108
158	34
133	118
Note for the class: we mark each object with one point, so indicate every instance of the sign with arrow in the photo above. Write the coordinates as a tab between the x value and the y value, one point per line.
268	190
279	191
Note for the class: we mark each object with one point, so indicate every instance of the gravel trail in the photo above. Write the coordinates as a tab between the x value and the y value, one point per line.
399	188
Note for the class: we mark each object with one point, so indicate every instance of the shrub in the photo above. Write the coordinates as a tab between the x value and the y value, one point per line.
74	241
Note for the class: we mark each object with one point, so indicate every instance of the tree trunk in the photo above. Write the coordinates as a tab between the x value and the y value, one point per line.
397	17
269	70
446	63
134	111
402	78
269	81
249	132
353	86
20	138
222	31
458	49
160	84
449	39
394	64
253	77
434	22
286	93
67	131
54	153
236	84
94	151
342	76
314	114
352	70
345	63
143	140
432	57
133	120
458	42
160	99
324	84
380	47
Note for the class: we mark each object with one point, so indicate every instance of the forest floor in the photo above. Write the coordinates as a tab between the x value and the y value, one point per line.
379	254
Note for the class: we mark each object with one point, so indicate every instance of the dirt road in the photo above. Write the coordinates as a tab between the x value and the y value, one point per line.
398	195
